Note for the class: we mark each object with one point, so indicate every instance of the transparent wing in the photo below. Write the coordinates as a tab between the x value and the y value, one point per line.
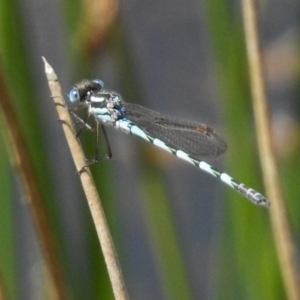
195	139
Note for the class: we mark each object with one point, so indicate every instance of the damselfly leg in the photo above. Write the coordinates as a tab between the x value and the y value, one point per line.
84	125
98	157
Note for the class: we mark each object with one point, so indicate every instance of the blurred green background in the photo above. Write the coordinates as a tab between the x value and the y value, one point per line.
179	233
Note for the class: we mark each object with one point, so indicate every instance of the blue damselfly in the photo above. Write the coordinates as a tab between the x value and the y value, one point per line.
187	140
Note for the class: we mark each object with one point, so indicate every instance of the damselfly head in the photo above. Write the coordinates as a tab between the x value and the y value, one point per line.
83	90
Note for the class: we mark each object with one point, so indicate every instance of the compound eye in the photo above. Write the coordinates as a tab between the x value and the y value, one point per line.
99	83
74	95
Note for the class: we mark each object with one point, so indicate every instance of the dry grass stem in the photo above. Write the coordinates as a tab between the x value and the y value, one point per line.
89	188
280	224
21	160
3	289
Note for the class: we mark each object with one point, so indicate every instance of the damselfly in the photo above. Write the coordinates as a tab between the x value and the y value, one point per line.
187	140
